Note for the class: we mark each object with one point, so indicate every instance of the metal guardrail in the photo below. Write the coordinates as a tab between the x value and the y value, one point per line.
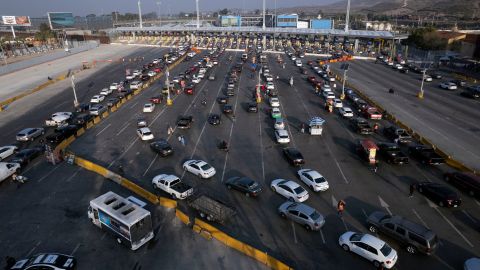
260	30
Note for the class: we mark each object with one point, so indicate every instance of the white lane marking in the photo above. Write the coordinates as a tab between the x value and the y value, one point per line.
364	213
453	226
261	147
133	105
420	218
48	174
123	153
61	104
100	132
323	237
73	175
121	130
75	249
469	216
294	233
33	249
336	163
150	165
384	205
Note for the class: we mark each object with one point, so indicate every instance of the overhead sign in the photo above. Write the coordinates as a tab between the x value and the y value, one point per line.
16	20
60	20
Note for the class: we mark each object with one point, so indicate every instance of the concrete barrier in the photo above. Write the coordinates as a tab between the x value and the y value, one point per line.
182	216
80	132
168	203
97	119
246	249
104	114
139	191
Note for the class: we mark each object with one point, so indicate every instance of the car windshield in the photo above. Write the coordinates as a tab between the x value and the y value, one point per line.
315	215
206	167
147	133
386	250
319	180
356	237
299	190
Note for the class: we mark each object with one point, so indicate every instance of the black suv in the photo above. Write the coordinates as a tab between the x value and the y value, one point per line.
293	156
415	237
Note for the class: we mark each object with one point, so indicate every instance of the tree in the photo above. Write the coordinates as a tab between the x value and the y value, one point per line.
223	11
44	32
215	14
426	38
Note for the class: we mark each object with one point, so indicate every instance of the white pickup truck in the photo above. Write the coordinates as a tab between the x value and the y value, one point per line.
172	185
58	119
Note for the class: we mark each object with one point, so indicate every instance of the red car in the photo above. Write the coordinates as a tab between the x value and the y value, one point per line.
156	99
312	79
157	70
372	113
189	90
310	62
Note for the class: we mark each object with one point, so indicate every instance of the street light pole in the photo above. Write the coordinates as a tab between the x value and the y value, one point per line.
347	19
198	15
167	81
75	101
140	14
420	94
345	69
159	16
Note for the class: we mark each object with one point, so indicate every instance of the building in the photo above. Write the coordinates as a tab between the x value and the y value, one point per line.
287	20
230	21
321	24
378	26
304	24
450	36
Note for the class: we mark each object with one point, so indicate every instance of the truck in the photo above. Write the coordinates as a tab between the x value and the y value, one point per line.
172	185
392	153
426	154
211	209
397	134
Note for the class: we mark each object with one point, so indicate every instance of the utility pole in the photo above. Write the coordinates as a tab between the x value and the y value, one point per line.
263	27
167	81
159	16
75	101
345	69
420	94
140	14
347	19
198	15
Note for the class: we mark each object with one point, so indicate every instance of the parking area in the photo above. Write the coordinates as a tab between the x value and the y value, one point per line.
253	152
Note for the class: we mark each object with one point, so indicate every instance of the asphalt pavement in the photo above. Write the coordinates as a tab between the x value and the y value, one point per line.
447	119
254	153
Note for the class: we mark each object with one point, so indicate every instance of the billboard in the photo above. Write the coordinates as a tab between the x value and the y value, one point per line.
16	20
227	21
60	20
321	24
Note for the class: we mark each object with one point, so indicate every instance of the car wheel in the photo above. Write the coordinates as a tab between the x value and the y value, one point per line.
273	189
376	264
308	227
441	204
229	187
119	240
283	215
202	215
420	189
411	249
199	175
247	194
345	247
372	228
154	186
173	196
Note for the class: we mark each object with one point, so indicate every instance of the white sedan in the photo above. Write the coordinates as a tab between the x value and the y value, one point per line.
270	86
200	168
148	107
328	95
370	248
97	98
448	86
145	134
346	112
196	80
279	123
337	103
289	190
151	73
114	86
274	102
106	91
6	151
282	136
313	179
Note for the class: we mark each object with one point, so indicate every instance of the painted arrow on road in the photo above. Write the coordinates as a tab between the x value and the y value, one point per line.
384	205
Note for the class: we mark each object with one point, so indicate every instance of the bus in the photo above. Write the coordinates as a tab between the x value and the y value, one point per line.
124	218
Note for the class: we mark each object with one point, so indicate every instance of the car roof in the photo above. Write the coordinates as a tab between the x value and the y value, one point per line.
291	184
144	129
411	226
281	132
168	177
198	162
313	173
302	208
372	241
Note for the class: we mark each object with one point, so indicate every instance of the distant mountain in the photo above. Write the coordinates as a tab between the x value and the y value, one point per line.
438	7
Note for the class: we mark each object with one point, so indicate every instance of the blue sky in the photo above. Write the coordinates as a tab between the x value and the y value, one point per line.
38	8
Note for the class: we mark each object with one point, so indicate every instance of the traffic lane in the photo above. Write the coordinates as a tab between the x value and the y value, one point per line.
423	120
34	115
363	177
123	133
59	223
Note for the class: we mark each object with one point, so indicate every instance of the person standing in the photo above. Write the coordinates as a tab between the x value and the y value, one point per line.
302	128
182	140
412	189
341	207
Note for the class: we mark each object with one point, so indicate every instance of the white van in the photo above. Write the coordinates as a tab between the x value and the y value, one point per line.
7	169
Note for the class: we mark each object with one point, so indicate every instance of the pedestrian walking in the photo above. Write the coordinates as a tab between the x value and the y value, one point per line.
302	128
182	140
341	207
412	189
